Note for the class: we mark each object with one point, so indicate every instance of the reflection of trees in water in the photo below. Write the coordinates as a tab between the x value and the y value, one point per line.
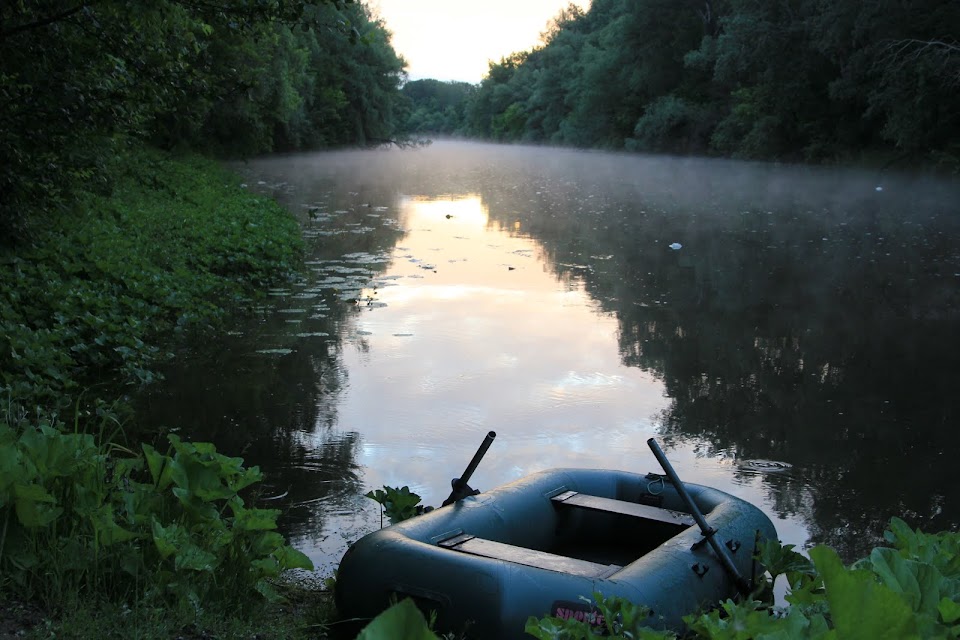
279	411
276	412
797	329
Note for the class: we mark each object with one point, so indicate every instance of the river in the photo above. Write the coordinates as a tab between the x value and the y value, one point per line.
790	335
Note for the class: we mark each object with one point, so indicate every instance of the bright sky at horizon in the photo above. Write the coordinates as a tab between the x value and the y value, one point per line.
454	39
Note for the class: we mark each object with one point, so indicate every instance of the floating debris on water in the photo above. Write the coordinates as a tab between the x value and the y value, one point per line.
676	246
341	269
313	334
366	258
275	352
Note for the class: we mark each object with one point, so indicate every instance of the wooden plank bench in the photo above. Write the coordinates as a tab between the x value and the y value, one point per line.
466	543
608	505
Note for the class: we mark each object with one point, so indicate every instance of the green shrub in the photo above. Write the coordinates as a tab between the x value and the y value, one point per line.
82	518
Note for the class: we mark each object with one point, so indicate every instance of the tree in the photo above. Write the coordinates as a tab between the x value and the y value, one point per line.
80	78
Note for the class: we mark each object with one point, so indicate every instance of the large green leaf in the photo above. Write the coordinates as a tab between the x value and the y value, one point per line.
35	506
917	582
159	465
402	621
291	558
168	539
190	556
860	607
108	531
949	610
255	519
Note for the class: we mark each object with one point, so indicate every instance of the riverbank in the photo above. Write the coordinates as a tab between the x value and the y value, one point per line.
98	293
104	531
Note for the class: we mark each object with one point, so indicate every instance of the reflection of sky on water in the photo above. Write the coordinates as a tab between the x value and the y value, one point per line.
476	334
808	320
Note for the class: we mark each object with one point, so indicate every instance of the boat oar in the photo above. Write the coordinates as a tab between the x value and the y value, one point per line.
460	488
708	533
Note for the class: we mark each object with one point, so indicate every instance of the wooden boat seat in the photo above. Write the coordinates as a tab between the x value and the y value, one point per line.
633	509
466	543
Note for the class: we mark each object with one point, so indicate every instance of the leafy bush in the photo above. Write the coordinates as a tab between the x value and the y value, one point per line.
669	123
81	518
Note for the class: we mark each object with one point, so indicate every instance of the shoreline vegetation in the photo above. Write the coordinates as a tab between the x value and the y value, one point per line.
118	242
101	527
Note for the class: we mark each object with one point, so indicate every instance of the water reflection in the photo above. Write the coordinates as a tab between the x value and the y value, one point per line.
799	349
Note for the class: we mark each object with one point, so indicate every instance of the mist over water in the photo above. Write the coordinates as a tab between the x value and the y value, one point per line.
790	335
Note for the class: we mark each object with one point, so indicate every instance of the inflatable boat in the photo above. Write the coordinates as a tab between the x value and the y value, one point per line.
539	545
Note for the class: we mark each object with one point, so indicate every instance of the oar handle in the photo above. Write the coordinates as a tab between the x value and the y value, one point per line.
459	485
742	585
477	457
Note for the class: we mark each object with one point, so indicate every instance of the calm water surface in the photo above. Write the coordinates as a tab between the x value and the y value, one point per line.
789	335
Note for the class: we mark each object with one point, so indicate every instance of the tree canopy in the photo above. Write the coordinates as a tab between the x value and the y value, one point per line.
79	78
805	80
436	106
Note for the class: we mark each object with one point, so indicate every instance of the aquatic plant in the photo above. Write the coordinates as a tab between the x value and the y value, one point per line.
96	299
398	504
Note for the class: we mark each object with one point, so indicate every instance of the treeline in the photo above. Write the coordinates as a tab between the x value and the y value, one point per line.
80	78
437	107
806	80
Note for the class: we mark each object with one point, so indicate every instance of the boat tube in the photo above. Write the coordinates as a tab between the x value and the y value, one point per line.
539	545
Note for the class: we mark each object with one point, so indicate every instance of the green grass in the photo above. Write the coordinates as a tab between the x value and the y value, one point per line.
303	615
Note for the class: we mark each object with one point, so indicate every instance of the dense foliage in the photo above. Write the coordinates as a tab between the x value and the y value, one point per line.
437	107
102	288
88	307
239	77
78	518
795	80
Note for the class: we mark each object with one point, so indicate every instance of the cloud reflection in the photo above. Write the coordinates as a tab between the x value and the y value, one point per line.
494	342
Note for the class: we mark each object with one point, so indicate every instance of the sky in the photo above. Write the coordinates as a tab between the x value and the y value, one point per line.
454	39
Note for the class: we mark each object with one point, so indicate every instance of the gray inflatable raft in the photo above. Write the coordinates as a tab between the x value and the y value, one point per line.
535	546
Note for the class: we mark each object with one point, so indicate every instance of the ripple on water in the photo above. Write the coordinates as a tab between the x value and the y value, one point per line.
764	466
